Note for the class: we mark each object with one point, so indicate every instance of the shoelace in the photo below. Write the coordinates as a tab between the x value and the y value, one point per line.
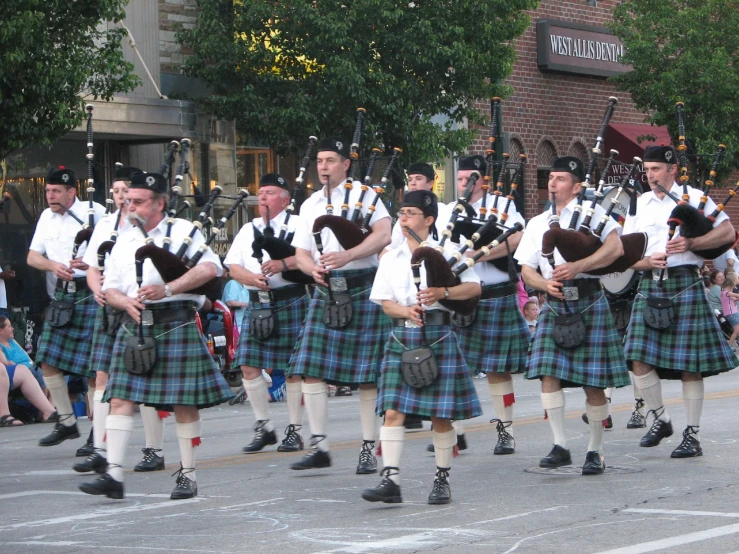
442	475
150	454
291	435
314	440
182	478
688	437
657	421
503	435
259	428
365	455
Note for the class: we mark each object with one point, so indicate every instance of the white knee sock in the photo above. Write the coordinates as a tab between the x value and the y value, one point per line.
392	439
60	395
651	389
153	427
458	428
596	415
554	404
637	391
258	393
693	394
118	430
316	405
100	412
503	400
188	435
608	392
443	447
367	406
295	402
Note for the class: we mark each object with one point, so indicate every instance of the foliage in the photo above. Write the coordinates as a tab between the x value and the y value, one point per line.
287	70
52	53
684	50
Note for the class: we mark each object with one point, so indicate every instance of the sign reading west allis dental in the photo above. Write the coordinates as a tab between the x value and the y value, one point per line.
564	47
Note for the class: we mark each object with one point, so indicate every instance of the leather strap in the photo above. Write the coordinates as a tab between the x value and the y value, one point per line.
498	291
167	316
431	317
277	295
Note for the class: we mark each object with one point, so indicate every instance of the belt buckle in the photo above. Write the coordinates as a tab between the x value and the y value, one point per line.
147	318
571	293
410	324
338	284
656	273
71	287
264	297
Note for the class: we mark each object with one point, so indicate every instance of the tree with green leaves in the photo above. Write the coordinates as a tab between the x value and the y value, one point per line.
684	50
52	53
287	70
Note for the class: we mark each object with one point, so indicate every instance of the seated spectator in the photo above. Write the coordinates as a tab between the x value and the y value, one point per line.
531	313
16	373
728	305
236	297
5	274
717	279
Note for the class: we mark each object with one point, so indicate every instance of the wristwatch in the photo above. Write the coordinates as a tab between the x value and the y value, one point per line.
167	290
446	292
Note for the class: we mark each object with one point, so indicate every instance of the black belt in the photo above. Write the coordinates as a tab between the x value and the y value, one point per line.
585	287
357	281
432	317
498	291
276	295
163	316
682	270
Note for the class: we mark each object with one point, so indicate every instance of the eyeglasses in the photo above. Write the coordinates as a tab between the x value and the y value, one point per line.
137	201
408	213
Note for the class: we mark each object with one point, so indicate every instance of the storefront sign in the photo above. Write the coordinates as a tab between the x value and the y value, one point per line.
571	48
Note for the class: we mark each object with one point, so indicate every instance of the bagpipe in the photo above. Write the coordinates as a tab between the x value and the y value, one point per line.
692	221
349	231
280	247
576	243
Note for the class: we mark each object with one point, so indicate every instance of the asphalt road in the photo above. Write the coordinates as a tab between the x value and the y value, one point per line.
646	502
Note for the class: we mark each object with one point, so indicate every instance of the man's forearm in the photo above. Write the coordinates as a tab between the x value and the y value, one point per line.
715	237
378	239
198	275
610	251
532	278
39	261
116	299
304	261
501	250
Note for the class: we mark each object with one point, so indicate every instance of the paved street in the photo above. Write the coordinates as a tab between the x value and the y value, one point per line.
645	503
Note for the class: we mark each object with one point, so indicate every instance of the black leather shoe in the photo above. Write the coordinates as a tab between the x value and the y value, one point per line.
343	391
637	420
430	448
185	487
506	442
261	439
690	447
292	442
595	463
88	448
387	491
558	457
441	493
104	485
658	431
367	461
315	458
461	442
94	462
151	461
60	433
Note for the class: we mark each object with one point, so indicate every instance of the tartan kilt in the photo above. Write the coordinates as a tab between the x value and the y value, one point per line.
345	356
275	352
102	345
185	373
498	340
68	348
451	396
693	343
598	362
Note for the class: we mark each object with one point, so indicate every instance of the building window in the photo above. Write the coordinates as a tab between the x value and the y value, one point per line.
251	165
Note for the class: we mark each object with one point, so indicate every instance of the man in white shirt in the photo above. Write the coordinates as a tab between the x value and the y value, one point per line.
275	313
691	346
335	346
177	370
64	347
585	352
725	261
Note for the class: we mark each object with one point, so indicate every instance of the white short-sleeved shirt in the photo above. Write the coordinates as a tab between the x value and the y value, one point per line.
487	272
54	235
120	269
445	212
651	218
529	249
102	232
394	279
721	263
315	206
240	252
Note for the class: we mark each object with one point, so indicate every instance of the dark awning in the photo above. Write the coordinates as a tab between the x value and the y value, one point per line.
624	138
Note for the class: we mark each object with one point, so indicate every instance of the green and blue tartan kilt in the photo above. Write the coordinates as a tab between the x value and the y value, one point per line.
68	348
275	352
598	362
102	345
345	356
498	340
185	373
451	396
693	342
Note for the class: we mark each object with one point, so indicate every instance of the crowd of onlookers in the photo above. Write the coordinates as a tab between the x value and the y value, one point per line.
722	289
